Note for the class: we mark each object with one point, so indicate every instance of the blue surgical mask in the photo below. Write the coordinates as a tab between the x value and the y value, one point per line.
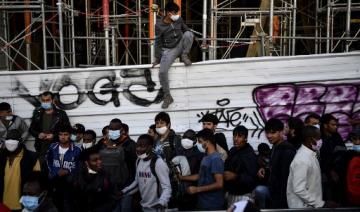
46	105
356	148
200	147
73	137
114	134
30	202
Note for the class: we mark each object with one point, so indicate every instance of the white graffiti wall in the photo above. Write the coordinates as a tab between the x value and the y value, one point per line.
245	91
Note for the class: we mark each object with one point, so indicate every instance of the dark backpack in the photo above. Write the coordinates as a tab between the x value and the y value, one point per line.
353	180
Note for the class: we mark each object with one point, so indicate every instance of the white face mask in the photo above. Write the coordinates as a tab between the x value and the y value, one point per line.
91	171
8	118
187	143
175	17
318	145
317	126
200	147
143	156
161	130
11	145
87	145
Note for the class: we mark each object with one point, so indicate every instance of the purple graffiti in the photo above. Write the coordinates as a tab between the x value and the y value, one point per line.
298	100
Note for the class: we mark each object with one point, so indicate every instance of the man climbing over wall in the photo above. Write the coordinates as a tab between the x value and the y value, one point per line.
172	39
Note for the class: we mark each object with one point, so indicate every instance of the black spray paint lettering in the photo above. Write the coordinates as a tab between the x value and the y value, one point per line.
109	84
233	117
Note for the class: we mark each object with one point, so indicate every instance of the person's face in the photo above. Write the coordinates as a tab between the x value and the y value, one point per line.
4	113
274	137
114	126
88	138
64	137
160	123
313	122
203	142
46	99
152	133
314	139
32	189
355	139
239	140
94	162
79	136
142	147
331	127
172	13
209	125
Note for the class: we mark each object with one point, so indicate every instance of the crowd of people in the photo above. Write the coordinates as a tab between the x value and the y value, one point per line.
307	165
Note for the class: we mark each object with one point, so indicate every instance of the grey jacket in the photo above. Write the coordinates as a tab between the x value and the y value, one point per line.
17	123
168	35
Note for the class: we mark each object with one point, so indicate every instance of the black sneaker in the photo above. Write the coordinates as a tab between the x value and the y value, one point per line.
167	101
186	60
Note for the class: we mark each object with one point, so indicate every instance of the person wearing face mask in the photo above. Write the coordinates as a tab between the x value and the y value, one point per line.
172	39
89	139
168	142
210	180
304	181
44	123
35	196
93	189
114	162
9	121
151	179
16	166
78	134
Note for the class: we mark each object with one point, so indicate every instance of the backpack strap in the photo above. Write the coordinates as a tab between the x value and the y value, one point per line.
153	171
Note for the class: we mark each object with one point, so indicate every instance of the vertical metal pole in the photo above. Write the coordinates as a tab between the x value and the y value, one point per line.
271	27
348	19
5	22
316	26
204	27
113	47
88	48
328	26
211	48
152	20
139	31
27	19
61	36
126	34
44	34
294	26
73	34
106	29
215	30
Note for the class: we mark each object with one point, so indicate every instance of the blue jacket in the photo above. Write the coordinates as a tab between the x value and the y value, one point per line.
70	162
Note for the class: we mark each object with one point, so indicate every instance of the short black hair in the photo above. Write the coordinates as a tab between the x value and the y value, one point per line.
147	139
241	130
190	134
310	116
296	124
163	116
47	93
90	132
14	134
103	131
86	153
116	121
309	132
40	178
125	127
64	128
263	147
274	125
4	106
172	7
153	127
210	118
326	118
79	128
207	135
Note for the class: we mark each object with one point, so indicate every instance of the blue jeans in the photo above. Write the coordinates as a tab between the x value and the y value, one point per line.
262	196
124	204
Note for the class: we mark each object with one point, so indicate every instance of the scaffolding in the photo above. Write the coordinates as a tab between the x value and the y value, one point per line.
46	34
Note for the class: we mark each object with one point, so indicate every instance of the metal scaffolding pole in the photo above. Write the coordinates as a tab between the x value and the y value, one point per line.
73	35
294	27
61	36
27	19
152	23
316	26
139	31
113	46
348	20
271	27
328	12
106	29
44	35
204	26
